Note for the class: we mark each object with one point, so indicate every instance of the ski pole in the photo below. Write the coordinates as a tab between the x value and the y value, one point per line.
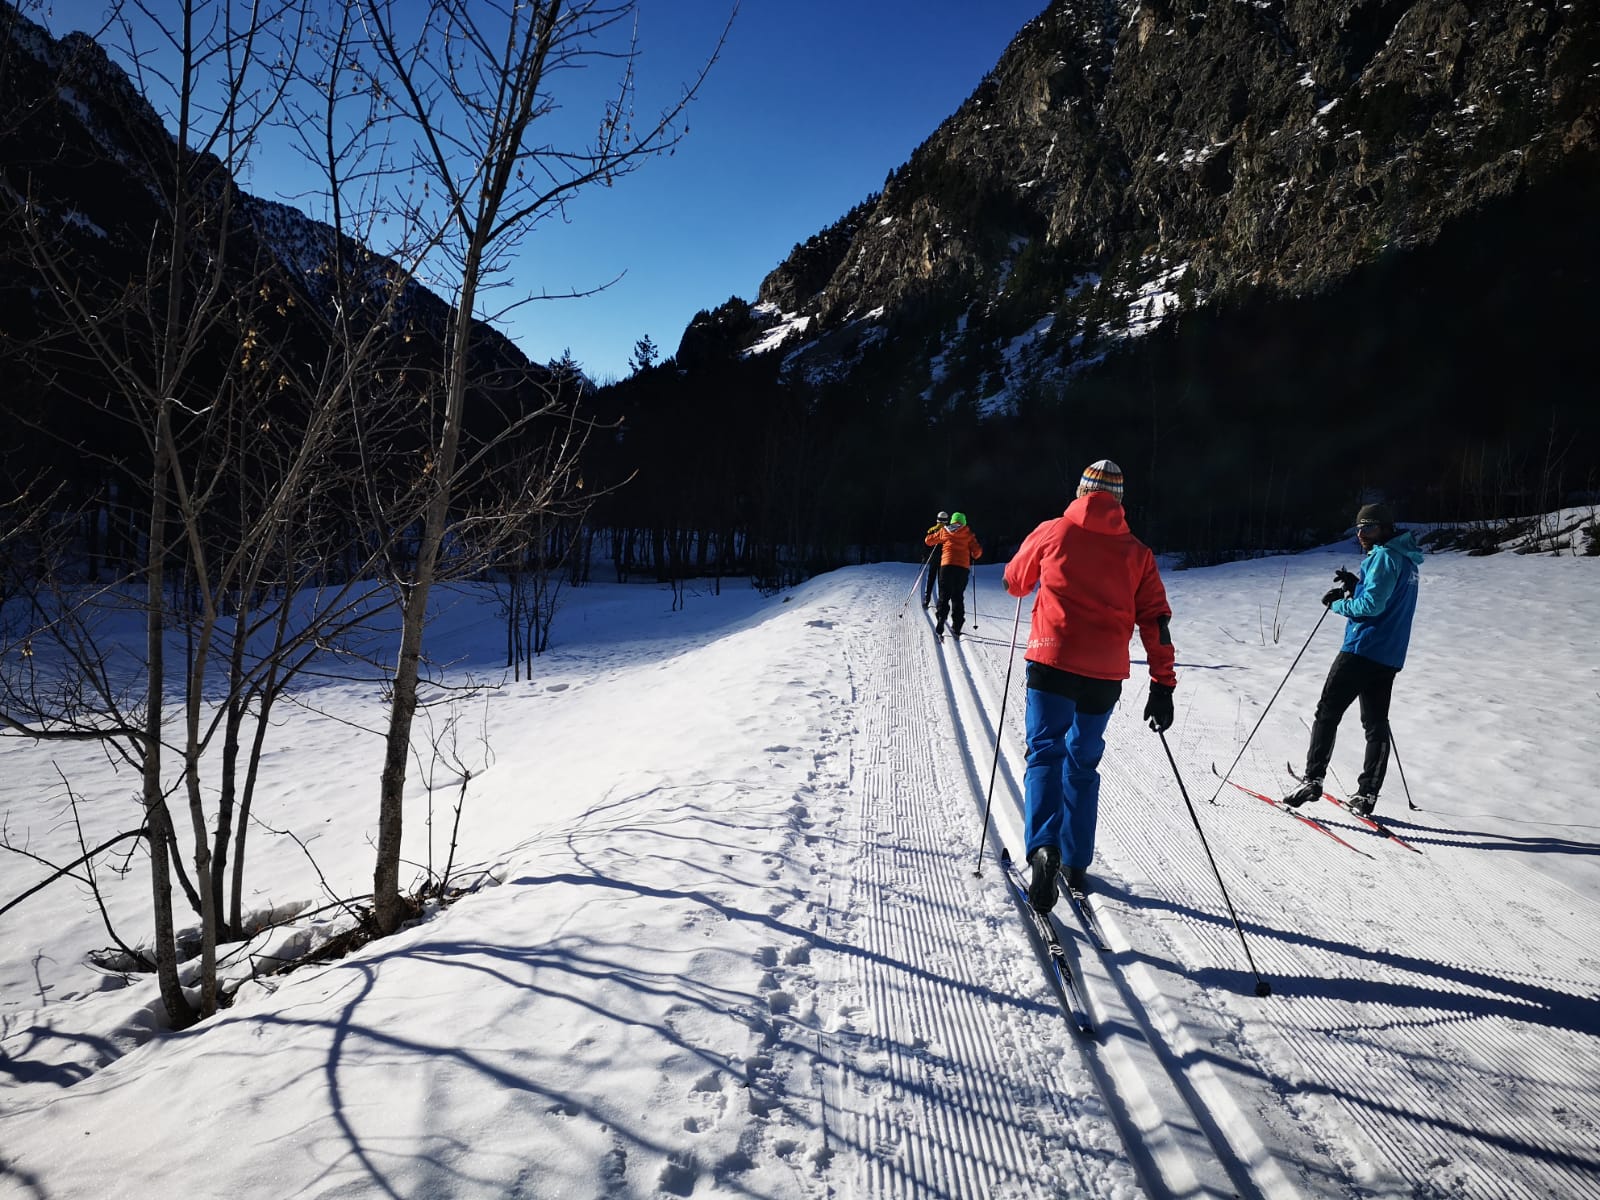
1268	709
972	579
1395	750
1263	988
915	582
999	728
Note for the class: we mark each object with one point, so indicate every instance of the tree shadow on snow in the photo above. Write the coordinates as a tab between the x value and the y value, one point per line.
611	982
15	1061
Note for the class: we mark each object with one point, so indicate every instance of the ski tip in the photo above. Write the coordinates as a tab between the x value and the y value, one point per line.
1263	988
1005	855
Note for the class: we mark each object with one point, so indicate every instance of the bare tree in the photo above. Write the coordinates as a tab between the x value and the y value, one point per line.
473	85
529	582
270	482
217	70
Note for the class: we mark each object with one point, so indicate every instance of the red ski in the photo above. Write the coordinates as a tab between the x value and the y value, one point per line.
1375	826
1282	807
1372	824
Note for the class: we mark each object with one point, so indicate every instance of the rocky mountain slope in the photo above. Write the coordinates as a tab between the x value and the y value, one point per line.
1275	143
1272	255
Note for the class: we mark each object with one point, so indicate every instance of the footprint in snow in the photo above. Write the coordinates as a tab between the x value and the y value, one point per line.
711	1081
678	1175
778	1001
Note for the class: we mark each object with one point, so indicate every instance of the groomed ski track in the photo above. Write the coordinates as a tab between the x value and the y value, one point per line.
1396	1058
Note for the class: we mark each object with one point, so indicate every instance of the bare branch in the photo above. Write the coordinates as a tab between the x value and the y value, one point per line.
59	872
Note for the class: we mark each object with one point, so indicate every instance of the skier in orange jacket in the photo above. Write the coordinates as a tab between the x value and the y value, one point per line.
958	550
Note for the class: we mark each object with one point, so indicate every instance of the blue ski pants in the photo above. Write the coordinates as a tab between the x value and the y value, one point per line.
1062	783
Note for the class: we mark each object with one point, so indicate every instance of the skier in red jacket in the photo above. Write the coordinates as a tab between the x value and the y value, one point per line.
1096	582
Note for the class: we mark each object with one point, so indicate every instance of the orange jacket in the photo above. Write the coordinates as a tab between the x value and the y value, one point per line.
1096	582
960	546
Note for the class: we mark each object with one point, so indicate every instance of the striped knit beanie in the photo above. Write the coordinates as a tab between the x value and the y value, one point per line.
1102	476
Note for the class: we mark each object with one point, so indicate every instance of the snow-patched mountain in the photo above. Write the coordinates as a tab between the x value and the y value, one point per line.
1280	144
89	163
1269	256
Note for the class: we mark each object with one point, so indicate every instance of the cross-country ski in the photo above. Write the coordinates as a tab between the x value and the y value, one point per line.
1285	809
1366	819
1044	928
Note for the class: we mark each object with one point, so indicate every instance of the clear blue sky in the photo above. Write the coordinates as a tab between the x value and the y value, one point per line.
811	105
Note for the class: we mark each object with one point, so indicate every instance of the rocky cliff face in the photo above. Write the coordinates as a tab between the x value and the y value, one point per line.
1237	144
1274	256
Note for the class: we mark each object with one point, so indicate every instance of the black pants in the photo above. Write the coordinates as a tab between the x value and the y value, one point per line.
930	577
1353	677
952	597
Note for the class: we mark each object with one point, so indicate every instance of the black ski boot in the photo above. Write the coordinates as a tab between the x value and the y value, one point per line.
1045	861
1363	803
1308	791
1078	879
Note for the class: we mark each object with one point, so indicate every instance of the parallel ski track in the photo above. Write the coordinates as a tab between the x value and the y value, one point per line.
1179	1127
951	1082
1469	1078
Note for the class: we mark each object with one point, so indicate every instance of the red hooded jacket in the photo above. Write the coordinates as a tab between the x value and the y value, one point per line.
1097	581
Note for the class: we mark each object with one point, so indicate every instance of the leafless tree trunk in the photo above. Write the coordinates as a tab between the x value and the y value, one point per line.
472	83
156	342
157	817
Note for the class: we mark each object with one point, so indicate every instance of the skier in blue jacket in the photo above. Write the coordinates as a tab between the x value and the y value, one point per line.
1378	604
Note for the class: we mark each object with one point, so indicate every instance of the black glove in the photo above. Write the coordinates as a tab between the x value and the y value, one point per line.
1334	594
1158	709
1347	580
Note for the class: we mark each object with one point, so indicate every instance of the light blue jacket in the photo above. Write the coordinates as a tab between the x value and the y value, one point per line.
1385	599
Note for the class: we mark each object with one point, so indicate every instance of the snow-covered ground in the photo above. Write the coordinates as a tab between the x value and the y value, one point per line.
732	944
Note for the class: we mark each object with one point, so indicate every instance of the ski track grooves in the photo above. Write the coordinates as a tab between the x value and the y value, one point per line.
953	1076
1367	1073
1396	1057
1179	1126
1351	1050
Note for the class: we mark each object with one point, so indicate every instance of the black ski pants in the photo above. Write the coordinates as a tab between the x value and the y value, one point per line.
930	576
952	597
1354	677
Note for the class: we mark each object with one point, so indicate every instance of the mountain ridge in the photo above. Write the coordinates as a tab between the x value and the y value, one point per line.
1035	286
1168	129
